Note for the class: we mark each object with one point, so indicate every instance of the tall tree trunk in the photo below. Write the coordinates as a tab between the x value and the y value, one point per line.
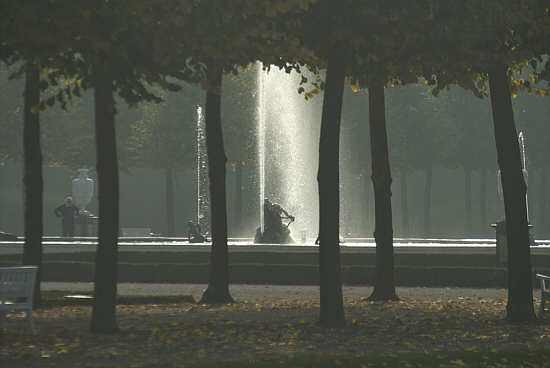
32	177
468	200
520	288
218	283
170	218
404	202
483	203
328	177
428	203
105	286
238	223
384	288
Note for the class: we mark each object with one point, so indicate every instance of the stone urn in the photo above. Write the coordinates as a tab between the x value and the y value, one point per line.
83	190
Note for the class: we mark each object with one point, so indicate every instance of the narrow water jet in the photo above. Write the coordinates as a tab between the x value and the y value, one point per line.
203	195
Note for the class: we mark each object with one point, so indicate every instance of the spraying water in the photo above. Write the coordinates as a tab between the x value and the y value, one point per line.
288	136
261	139
203	201
521	140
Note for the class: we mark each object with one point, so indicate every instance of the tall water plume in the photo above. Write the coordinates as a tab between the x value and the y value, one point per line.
288	136
203	195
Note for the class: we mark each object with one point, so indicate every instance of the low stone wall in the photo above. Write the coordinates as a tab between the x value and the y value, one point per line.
475	270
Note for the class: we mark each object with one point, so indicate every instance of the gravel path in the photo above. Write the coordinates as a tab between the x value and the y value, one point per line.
288	292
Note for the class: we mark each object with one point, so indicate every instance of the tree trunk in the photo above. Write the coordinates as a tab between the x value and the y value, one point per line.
32	177
328	177
384	288
483	204
170	218
238	223
468	200
520	289
428	203
105	286
218	283
404	203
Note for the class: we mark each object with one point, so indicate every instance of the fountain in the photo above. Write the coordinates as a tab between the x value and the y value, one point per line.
288	141
203	195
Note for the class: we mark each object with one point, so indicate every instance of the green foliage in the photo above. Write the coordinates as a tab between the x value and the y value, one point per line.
11	117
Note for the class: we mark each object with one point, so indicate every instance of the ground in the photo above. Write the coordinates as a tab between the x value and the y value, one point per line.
267	322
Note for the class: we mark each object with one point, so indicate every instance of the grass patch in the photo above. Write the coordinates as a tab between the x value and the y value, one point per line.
503	358
467	332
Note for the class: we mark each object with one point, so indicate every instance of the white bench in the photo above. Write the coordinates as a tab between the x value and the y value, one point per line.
17	291
544	290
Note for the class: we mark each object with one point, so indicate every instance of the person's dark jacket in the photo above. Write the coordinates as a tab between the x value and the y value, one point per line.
68	212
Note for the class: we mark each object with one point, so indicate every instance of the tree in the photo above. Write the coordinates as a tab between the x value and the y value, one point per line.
520	291
257	29
218	282
32	179
103	312
501	40
332	310
21	48
384	288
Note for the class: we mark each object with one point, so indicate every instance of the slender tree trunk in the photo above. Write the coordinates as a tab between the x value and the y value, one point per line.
483	203
170	218
428	203
32	177
384	288
404	203
218	284
468	200
328	177
520	288
238	223
105	286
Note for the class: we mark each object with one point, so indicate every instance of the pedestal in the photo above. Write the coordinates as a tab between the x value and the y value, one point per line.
86	225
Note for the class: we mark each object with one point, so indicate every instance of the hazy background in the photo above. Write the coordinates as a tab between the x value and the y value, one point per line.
449	136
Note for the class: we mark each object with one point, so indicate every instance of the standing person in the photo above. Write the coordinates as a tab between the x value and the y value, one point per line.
68	211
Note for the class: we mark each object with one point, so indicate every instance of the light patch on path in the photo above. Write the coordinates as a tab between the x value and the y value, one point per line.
288	292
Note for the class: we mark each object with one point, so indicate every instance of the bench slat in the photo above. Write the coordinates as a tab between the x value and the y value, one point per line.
17	290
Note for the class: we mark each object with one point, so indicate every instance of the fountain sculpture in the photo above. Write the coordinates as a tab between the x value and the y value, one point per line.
274	230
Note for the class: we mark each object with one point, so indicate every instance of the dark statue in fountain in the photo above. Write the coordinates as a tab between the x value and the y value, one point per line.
194	233
275	231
